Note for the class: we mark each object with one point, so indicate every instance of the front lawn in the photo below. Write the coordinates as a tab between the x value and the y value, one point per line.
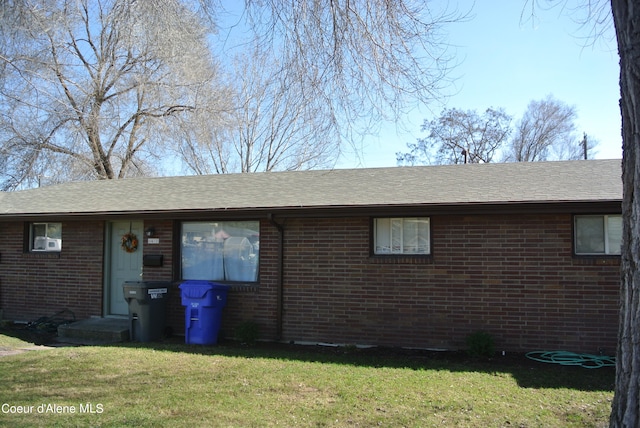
177	385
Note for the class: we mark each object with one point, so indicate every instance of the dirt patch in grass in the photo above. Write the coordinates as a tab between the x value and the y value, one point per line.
6	352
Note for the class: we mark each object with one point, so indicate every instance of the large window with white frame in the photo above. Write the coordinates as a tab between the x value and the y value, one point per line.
220	250
45	237
597	234
401	235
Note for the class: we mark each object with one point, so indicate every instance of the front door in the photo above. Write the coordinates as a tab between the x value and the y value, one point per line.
124	265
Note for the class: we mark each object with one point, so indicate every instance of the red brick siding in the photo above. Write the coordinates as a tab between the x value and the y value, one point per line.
33	285
164	234
513	276
256	303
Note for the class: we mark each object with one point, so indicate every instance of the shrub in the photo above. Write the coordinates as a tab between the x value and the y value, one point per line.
247	332
480	344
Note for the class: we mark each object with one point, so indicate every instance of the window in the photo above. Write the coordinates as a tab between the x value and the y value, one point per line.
220	251
45	237
598	234
406	235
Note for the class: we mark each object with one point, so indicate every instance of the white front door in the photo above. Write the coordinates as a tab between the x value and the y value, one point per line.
124	266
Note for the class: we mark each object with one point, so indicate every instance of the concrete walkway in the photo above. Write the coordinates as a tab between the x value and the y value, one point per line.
95	331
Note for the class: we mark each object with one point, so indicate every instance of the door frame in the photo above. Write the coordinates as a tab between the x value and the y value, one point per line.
107	269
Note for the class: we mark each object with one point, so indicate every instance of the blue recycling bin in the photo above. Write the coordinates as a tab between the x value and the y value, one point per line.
203	302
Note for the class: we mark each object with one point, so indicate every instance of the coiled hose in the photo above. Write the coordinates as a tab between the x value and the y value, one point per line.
588	361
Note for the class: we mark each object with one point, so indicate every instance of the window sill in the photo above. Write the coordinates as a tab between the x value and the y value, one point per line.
42	254
596	260
401	260
233	286
243	288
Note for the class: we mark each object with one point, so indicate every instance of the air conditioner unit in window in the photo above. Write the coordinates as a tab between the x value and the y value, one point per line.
42	243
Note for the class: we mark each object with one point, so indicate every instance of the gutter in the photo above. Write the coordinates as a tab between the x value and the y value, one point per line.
280	277
513	207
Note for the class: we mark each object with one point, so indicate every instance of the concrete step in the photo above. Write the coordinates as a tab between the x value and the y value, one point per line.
95	330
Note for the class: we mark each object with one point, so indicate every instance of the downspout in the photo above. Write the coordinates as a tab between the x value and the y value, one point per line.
280	276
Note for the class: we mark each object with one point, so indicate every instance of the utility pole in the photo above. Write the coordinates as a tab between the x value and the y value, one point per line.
584	145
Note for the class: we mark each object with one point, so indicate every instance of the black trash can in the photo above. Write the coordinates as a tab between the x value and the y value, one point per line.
203	302
147	302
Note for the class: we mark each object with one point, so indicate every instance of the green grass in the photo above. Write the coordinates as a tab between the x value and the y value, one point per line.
177	385
9	343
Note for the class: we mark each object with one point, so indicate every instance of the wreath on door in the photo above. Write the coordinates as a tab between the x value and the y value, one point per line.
129	242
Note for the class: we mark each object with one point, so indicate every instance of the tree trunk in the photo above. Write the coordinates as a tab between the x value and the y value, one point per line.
626	403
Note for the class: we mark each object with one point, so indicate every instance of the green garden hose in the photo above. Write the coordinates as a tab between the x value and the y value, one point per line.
588	361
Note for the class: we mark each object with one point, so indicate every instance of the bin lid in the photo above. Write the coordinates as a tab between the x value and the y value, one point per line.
195	289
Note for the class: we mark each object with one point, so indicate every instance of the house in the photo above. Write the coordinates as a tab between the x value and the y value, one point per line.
409	256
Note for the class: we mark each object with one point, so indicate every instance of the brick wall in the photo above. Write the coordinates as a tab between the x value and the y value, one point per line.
164	234
512	276
244	303
33	285
257	304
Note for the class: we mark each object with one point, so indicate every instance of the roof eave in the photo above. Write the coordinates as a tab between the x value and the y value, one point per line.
511	207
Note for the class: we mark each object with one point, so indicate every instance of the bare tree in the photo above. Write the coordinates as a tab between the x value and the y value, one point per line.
459	136
546	128
546	131
626	402
365	60
272	126
89	88
316	76
625	410
115	77
584	148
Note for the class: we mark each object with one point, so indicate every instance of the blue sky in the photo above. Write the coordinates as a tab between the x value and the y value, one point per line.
506	63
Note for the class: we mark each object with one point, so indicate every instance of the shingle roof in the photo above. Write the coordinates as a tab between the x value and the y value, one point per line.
540	182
